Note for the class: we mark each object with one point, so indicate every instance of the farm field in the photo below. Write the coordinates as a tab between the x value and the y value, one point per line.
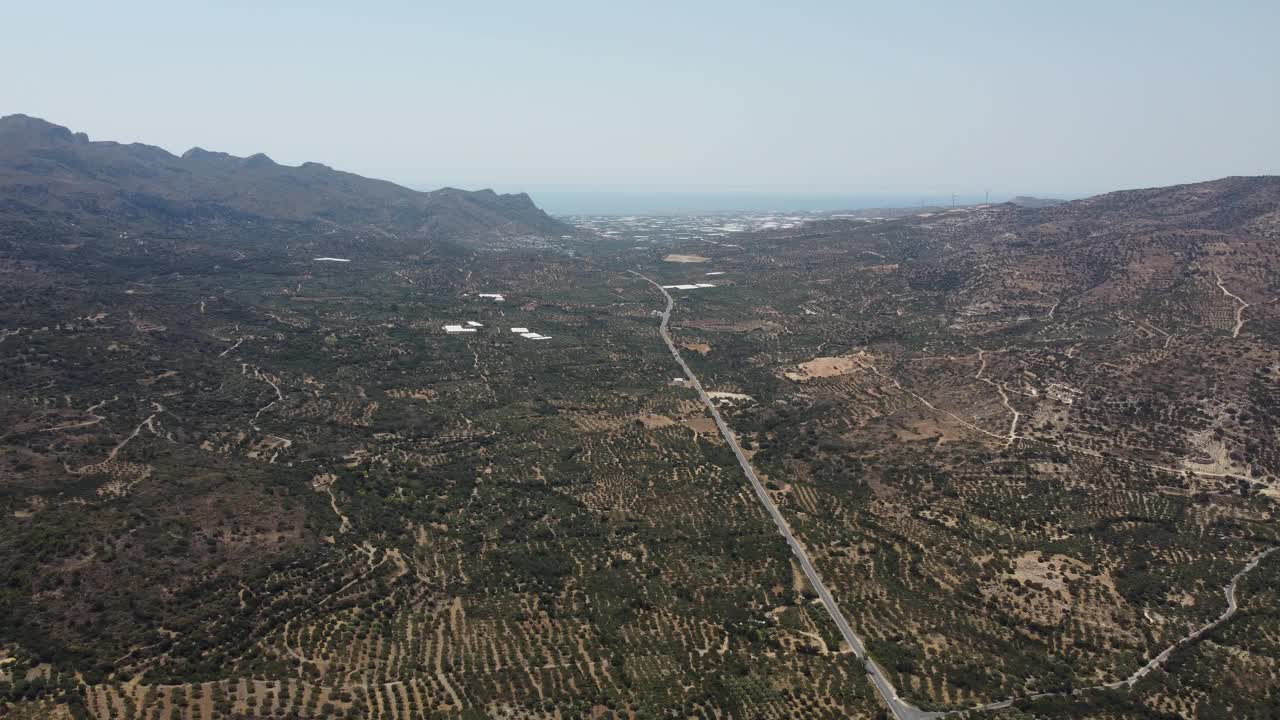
959	462
1027	450
327	505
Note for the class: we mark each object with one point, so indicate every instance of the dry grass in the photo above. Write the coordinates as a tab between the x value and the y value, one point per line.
823	367
651	421
702	425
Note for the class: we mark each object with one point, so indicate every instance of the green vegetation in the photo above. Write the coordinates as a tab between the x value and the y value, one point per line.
1025	448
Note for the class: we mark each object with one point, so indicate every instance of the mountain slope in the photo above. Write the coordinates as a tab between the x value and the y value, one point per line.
47	169
1163	250
1027	448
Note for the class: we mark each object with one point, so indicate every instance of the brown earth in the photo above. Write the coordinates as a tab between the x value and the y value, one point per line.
823	367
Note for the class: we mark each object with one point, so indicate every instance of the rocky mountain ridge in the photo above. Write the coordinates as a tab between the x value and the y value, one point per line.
48	170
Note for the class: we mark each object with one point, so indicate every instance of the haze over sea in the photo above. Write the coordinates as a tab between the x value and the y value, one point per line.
563	202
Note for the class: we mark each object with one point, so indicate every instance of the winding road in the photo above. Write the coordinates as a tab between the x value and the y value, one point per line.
1158	660
901	709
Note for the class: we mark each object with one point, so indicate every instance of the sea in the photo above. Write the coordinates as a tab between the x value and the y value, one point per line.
606	202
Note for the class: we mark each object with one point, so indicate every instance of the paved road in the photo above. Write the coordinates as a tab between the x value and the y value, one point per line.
899	708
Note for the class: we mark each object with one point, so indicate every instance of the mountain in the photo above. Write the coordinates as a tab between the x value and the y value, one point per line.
47	170
1091	385
1145	247
1237	204
1162	251
1023	451
1028	201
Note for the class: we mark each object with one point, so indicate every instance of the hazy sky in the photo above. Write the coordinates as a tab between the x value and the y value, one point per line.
885	96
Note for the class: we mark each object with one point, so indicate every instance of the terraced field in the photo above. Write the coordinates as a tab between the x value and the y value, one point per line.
1018	468
326	506
1024	450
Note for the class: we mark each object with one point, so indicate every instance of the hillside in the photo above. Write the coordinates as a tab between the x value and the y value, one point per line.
54	174
1025	450
1028	448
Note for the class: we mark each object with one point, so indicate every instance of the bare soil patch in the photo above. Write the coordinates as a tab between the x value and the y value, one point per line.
677	258
823	367
731	326
731	396
702	425
651	421
1051	572
929	429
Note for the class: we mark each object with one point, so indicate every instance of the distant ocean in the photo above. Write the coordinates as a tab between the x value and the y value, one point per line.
564	202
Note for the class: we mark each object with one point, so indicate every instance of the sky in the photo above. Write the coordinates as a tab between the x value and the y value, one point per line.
870	97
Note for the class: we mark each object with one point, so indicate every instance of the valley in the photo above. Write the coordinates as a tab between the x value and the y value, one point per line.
992	461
